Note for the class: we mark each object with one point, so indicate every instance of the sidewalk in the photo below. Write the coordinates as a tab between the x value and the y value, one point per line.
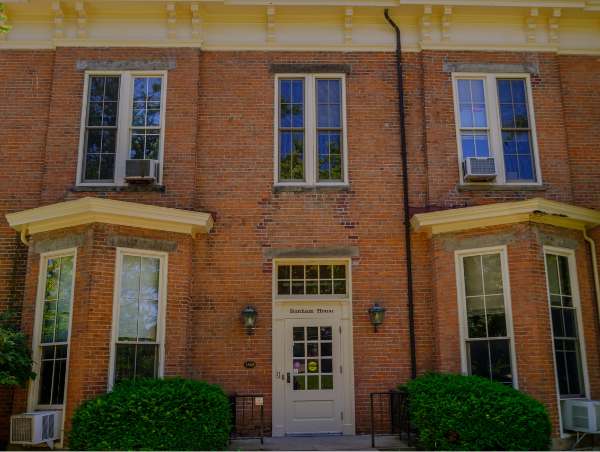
358	442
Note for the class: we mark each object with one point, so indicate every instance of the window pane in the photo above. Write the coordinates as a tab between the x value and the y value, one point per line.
62	323
468	144
325	288
525	167
312	333
518	91
565	278
299	350
297	271
327	366
312	382
339	271
146	361
298	333
479	115
125	362
477	91
561	370
148	317
507	115
313	366
154	89
573	372
283	272
299	366
466	115
326	348
128	319
92	166
283	288
140	89
297	287
509	144
111	92
521	120
570	323
107	166
511	166
299	383
312	349
504	92
492	274
97	88
325	334
52	275
66	277
464	90
557	322
326	381
130	277
482	147
339	287
552	269
479	358
325	271
473	275
500	361
45	378
150	274
476	317
58	384
49	321
496	316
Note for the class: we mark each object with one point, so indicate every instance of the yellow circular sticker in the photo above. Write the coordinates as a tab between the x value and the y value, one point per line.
312	366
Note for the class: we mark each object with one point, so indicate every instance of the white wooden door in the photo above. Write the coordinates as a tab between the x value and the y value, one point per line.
312	371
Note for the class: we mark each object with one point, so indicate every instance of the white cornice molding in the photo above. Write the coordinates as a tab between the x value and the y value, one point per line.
127	43
348	25
271	24
196	22
90	210
172	21
59	24
446	23
216	47
426	23
537	210
80	8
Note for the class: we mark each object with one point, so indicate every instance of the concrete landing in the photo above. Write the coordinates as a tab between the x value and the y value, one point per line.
326	442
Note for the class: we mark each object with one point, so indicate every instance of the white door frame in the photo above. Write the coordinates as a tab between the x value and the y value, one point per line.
282	307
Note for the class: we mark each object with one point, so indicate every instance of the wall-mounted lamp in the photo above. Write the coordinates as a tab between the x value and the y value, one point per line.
249	316
377	315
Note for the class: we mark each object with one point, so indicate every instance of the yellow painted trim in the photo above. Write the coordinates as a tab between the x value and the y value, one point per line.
91	210
483	47
12	45
307	47
127	43
538	210
578	51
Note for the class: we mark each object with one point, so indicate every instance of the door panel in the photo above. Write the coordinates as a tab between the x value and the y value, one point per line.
313	397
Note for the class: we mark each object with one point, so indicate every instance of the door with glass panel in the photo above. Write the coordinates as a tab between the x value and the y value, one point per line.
312	375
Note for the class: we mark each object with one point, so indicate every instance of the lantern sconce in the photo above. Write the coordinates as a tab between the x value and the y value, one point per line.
377	314
249	317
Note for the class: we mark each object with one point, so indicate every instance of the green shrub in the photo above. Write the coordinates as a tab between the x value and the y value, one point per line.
459	412
153	414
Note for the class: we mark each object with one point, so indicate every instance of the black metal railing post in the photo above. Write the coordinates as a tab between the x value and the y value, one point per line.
241	429
398	415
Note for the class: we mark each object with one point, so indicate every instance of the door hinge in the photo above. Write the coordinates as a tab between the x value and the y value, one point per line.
340	330
342	415
340	369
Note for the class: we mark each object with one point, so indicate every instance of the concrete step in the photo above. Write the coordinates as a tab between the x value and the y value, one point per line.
318	442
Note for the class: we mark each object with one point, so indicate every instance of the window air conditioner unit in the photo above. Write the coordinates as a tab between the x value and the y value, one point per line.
35	428
479	169
139	170
581	415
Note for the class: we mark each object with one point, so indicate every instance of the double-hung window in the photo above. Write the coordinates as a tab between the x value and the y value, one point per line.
566	331
54	324
310	144
494	118
122	119
485	318
138	315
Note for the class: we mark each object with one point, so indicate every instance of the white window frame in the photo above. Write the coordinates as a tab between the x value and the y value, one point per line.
312	261
570	255
124	115
462	306
162	307
494	124
34	387
311	171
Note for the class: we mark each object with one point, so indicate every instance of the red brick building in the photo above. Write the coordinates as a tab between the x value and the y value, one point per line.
268	142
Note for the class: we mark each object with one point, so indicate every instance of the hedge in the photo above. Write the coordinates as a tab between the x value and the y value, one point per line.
459	412
153	414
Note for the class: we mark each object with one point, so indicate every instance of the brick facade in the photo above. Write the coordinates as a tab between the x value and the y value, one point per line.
218	157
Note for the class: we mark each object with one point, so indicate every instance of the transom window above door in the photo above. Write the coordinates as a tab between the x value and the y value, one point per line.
312	279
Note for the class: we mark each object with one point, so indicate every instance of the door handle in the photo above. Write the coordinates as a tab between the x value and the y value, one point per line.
288	377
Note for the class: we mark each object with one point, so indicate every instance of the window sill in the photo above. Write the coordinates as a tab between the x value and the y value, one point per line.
279	188
126	188
469	187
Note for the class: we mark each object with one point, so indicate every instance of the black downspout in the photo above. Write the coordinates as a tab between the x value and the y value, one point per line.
411	311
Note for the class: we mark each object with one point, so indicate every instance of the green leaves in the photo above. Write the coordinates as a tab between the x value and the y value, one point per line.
459	412
153	414
3	28
15	356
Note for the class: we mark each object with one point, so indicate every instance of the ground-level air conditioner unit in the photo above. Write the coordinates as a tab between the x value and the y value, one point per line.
479	169
139	170
35	428
581	415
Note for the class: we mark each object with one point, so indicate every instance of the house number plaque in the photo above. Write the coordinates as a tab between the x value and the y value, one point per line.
249	364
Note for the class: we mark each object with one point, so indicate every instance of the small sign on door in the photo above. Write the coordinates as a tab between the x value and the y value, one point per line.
258	401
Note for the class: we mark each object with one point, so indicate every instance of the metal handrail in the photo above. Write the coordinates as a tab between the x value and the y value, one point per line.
233	399
398	415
